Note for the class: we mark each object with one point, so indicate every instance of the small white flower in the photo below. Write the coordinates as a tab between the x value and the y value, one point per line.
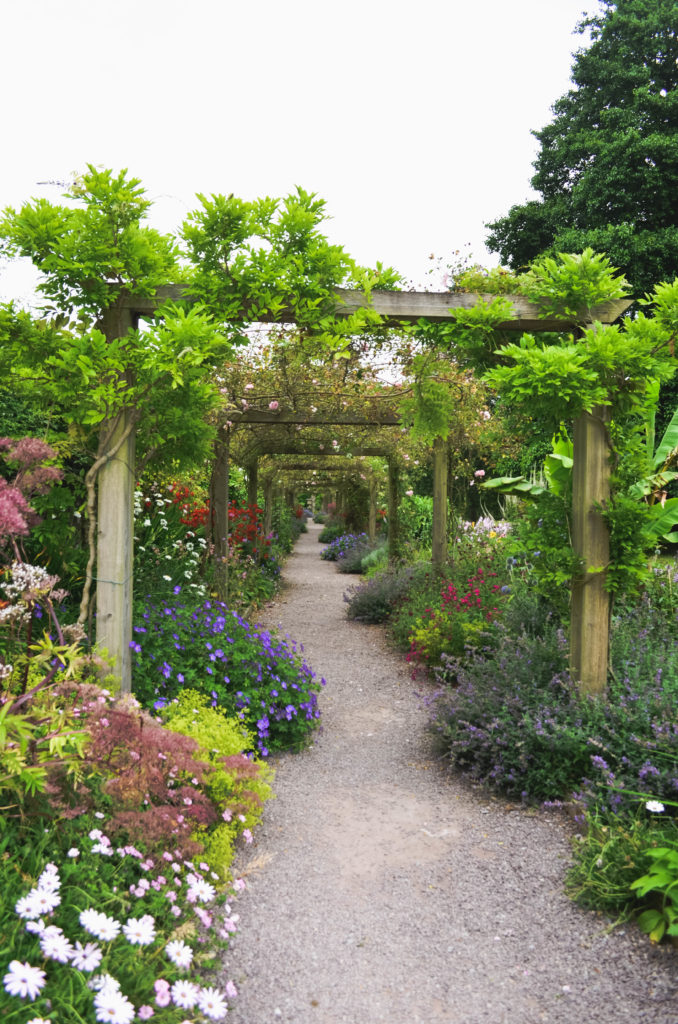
179	953
202	890
23	980
73	852
212	1003
655	806
103	981
97	924
185	994
140	931
87	957
55	945
113	1007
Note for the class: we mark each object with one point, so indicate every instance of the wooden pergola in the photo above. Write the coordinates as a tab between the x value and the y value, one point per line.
591	477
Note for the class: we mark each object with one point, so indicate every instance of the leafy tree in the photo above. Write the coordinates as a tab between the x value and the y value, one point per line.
607	169
108	384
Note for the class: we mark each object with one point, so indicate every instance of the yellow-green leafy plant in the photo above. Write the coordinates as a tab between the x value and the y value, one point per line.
236	781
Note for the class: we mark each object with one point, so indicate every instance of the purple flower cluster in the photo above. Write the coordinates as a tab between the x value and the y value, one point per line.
340	547
247	670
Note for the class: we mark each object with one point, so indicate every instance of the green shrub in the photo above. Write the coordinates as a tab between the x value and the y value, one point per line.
611	854
233	780
331	531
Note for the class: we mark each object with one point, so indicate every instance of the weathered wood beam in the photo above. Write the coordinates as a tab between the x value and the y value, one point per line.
219	498
115	529
337	419
408	307
252	481
308	466
590	613
268	505
372	524
393	505
439	538
322	452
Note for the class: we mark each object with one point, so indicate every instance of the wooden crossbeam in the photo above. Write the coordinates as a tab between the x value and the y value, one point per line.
408	307
331	419
321	452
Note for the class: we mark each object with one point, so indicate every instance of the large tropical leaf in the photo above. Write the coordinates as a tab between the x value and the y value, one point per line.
652	484
662	519
516	485
558	473
668	446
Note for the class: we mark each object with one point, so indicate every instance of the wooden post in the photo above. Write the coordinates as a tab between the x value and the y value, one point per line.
115	529
590	620
439	539
219	505
252	482
393	502
372	528
268	504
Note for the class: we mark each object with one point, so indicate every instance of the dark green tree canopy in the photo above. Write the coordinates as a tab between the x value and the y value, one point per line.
607	170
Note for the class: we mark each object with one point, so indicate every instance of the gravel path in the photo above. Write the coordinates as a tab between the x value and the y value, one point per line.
382	889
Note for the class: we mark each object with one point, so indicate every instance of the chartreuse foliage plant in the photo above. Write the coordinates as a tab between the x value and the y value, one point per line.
246	670
235	781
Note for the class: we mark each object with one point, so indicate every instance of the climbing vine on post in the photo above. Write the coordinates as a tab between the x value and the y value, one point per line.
105	376
592	378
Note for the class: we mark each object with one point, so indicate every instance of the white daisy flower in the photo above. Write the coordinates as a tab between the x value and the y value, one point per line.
23	980
87	957
185	994
212	1003
140	931
179	953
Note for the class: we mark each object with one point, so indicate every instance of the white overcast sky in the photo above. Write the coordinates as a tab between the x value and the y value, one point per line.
411	119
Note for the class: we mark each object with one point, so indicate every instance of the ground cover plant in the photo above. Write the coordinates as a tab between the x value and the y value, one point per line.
94	930
434	611
246	670
374	599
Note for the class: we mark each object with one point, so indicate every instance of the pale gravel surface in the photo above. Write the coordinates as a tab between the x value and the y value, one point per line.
383	890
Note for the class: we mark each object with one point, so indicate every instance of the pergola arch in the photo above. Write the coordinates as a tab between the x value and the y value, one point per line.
591	478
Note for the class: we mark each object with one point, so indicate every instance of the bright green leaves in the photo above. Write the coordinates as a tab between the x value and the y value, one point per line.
553	382
264	259
89	252
268	261
432	406
661	879
572	285
470	333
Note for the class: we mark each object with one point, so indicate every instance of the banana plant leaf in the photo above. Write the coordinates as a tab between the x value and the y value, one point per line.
668	446
662	519
516	485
